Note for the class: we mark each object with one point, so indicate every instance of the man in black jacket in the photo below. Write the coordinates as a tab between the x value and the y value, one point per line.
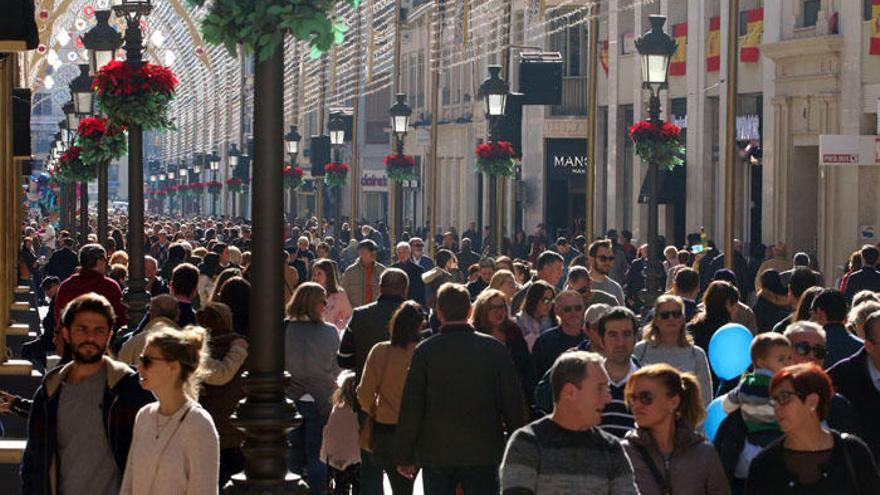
858	379
62	262
868	278
460	399
73	446
413	272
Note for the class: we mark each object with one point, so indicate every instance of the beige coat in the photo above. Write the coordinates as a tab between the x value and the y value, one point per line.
382	381
354	284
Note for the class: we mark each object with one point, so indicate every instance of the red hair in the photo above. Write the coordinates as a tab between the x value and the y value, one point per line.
807	378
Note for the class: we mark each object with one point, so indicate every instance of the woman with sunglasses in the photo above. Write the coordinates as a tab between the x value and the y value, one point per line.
810	458
310	346
536	314
491	315
666	340
667	453
175	447
338	309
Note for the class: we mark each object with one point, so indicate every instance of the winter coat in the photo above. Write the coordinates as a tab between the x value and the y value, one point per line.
694	467
123	398
355	286
770	309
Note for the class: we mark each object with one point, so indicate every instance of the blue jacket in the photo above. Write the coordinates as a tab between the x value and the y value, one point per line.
123	398
840	343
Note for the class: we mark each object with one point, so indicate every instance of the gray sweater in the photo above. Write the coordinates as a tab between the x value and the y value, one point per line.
544	458
310	358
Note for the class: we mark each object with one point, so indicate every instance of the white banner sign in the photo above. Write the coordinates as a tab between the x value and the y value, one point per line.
848	149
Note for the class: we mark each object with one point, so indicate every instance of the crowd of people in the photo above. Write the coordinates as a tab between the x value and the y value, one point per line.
541	370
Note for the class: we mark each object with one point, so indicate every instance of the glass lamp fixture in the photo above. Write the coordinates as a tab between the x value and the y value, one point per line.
400	113
655	48
494	91
102	41
214	160
234	155
81	90
336	126
291	141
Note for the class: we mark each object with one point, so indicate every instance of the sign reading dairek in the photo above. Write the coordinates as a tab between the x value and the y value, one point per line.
837	150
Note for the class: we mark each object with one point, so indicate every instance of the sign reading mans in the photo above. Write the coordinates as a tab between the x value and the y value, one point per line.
566	158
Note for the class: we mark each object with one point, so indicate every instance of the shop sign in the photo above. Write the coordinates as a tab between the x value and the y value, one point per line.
848	149
374	180
868	233
566	158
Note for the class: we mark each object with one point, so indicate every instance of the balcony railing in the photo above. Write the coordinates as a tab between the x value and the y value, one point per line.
574	97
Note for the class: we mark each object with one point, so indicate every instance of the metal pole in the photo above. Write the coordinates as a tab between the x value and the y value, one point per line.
435	121
266	416
83	212
102	203
655	268
397	141
592	109
500	182
137	298
731	155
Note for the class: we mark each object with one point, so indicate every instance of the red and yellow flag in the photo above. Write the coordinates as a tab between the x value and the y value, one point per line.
603	56
751	45
713	45
875	28
678	63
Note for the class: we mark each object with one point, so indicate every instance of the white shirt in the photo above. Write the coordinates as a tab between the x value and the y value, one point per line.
49	236
874	373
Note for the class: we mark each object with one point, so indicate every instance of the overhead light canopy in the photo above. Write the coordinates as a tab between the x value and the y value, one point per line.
400	113
656	49
494	91
102	41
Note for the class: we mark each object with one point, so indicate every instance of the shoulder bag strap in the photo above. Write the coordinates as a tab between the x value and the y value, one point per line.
655	471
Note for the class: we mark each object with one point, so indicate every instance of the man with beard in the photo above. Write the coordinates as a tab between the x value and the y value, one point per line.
73	446
601	255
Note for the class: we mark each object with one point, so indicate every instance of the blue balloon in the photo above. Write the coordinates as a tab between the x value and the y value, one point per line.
729	351
714	416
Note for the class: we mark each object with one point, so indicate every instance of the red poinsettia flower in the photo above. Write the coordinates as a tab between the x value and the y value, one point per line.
72	154
294	171
395	160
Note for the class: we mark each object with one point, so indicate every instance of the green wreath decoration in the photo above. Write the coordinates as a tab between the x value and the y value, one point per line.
131	96
260	25
658	143
100	140
335	174
496	159
71	168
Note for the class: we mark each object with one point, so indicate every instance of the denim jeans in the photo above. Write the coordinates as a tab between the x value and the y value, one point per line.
475	480
305	447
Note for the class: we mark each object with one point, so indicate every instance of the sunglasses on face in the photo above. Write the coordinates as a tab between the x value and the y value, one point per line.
576	308
782	398
665	315
148	361
646	398
547	300
605	259
804	349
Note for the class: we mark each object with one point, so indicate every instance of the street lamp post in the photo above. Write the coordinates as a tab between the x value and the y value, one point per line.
655	48
400	113
102	42
291	146
214	164
137	297
336	126
266	415
234	158
182	188
163	184
83	104
196	176
494	90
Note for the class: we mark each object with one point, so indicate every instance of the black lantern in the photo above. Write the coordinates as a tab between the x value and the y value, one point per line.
234	155
656	49
494	91
291	142
81	90
214	160
171	174
197	163
102	41
336	126
70	114
132	8
400	113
